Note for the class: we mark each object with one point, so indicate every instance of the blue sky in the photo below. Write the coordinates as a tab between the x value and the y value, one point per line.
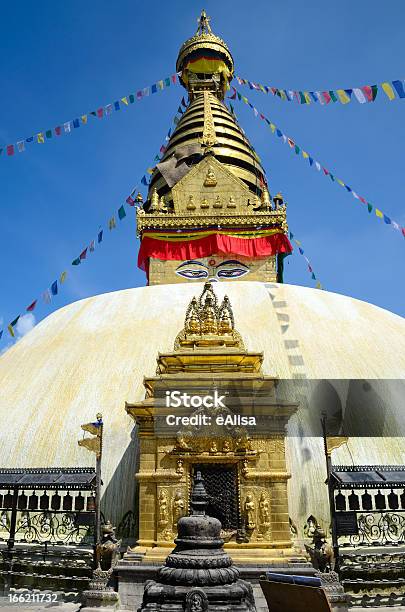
62	59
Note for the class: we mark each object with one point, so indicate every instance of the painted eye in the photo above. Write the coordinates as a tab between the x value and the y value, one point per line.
193	273
232	273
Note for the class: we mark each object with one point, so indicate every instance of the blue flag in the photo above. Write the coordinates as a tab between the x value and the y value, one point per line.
300	250
399	86
116	106
154	88
144	180
54	288
76	123
100	236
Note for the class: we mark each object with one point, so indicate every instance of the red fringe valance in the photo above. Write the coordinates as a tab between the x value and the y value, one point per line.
211	245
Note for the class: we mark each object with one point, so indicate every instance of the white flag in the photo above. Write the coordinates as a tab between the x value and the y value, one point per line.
67	127
21	146
318	166
359	95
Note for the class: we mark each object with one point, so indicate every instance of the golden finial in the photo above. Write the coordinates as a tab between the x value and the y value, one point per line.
139	199
278	200
204	23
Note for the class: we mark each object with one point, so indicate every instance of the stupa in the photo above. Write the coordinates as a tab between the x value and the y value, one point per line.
198	574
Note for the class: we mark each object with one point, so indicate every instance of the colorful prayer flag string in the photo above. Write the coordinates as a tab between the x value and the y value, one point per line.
393	90
111	224
68	126
309	265
313	162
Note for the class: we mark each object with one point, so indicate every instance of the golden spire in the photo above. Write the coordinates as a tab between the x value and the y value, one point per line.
209	137
204	23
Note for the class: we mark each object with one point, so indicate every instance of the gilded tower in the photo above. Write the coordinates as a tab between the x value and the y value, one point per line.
209	214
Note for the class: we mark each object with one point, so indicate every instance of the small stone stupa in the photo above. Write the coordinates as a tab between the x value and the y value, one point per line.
198	575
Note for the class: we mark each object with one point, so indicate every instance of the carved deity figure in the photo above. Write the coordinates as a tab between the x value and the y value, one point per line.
192	323
196	601
210	179
204	203
250	511
264	512
179	505
180	468
191	204
217	203
209	324
231	203
163	508
225	318
226	447
213	447
107	551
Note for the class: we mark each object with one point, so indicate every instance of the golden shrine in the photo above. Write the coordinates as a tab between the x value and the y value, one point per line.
243	466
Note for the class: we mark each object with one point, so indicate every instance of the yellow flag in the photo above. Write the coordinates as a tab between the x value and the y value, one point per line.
272	127
40	137
245	100
379	213
282	94
111	223
305	154
149	170
124	100
318	285
340	182
160	84
84	119
307	97
262	88
388	90
91	428
63	277
343	97
11	330
92	444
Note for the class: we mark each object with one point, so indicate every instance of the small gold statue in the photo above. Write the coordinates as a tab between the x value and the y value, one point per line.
180	468
209	324
226	447
154	202
179	505
217	203
213	447
265	199
204	203
191	205
250	508
231	203
264	513
163	509
210	179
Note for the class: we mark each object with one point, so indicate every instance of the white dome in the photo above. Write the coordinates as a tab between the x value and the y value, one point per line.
92	356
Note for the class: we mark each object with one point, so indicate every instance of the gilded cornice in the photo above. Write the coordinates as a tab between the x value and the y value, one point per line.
170	221
205	40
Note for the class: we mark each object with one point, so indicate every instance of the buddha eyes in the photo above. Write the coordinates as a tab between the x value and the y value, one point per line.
232	272
189	273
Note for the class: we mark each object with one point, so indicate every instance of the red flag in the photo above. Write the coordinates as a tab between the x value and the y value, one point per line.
83	254
100	112
130	201
326	172
10	149
362	200
174	76
291	142
233	97
368	92
326	97
273	90
403	231
58	130
31	307
261	116
163	149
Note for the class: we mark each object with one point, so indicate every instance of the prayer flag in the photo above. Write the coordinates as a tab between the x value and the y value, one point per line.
307	97
284	138
340	182
279	133
291	235
108	109
40	138
157	158
66	127
325	171
145	91
300	250
348	188
91	246
359	95
176	120
318	166
76	261
124	100
117	105
100	236
174	76
21	146
326	97
93	113
183	102
162	149
387	220
31	307
362	200
379	213
297	149
10	327
58	130
100	113
180	110
305	154
388	90
84	119
160	84
233	96
10	149
303	99
1	333
30	139
368	92
144	181
349	93
131	98
395	225
272	127
311	161
62	277
54	288
46	296
167	82
76	123
121	213
313	96
112	224
399	88
130	201
154	89
318	285
48	133
333	95
369	207
313	276
343	97
83	254
355	195
149	170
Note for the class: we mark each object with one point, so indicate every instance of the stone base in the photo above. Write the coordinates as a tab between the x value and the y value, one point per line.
132	573
100	600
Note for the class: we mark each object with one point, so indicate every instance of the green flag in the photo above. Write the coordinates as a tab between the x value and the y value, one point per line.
121	213
333	95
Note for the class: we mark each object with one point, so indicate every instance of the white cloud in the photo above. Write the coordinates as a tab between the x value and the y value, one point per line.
25	324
